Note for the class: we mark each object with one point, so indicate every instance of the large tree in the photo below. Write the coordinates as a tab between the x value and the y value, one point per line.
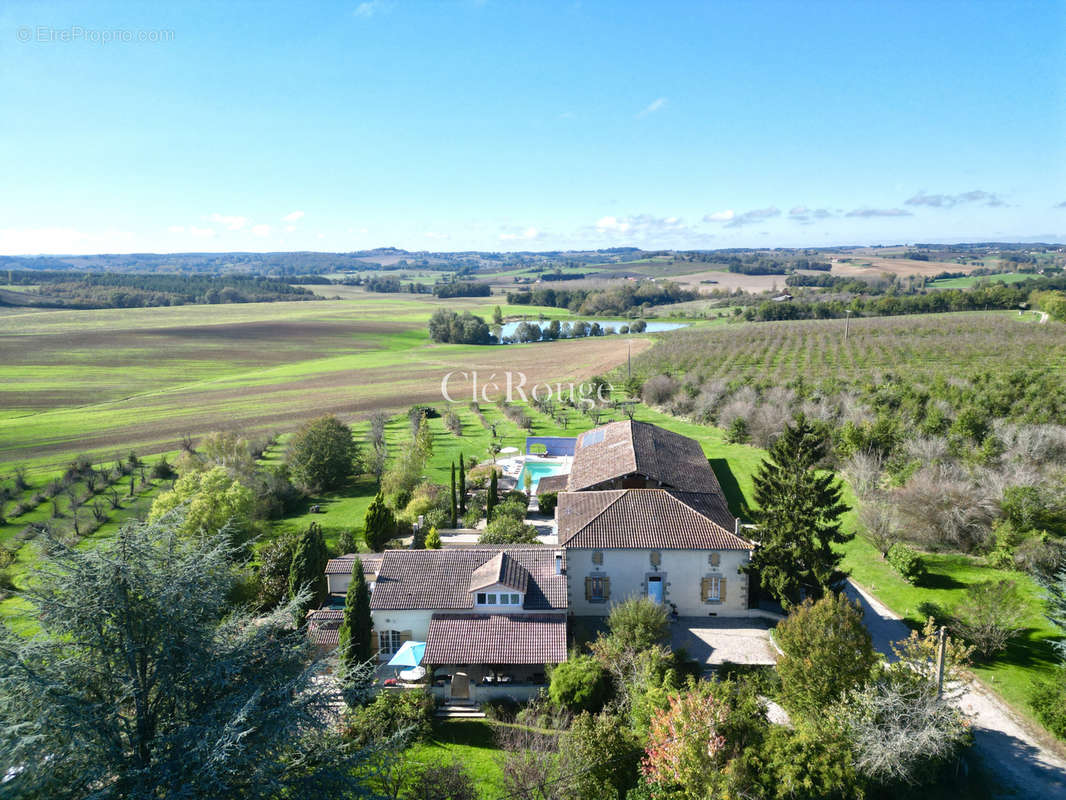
142	681
798	516
213	500
353	643
307	572
322	454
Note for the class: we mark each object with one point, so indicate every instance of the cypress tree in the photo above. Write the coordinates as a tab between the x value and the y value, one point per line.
353	639
379	525
308	569
798	517
455	517
462	485
494	495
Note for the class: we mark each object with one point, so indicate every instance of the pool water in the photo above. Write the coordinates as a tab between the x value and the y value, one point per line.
539	469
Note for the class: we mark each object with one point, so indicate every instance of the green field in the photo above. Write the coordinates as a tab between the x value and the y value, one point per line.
104	381
973	280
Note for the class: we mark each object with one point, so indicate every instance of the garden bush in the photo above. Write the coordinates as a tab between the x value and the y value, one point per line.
580	684
409	712
547	502
907	562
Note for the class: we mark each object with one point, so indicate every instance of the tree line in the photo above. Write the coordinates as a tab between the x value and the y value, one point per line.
612	300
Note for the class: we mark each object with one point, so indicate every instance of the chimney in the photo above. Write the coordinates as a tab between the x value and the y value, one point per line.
558	562
736	526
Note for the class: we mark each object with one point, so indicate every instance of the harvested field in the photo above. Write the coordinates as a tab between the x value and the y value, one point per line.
105	381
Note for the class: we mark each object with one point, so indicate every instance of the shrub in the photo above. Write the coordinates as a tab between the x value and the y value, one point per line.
501	709
441	782
390	713
906	562
433	540
580	684
163	471
547	502
638	623
507	530
738	431
827	650
659	389
1048	699
512	508
990	615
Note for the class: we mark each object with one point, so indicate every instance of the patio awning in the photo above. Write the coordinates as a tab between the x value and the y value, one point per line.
496	639
409	655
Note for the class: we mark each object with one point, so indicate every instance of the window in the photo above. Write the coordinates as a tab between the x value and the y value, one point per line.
712	588
714	559
598	590
389	642
501	599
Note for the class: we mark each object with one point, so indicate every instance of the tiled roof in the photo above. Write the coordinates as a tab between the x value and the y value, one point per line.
496	639
552	483
441	579
323	626
342	565
502	569
647	518
621	448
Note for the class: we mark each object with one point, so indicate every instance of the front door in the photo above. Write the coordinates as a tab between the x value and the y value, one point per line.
460	686
655	589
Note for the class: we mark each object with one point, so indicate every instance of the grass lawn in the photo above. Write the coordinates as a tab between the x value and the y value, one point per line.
472	743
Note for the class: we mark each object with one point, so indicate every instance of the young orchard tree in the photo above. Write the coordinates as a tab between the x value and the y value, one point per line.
798	517
143	681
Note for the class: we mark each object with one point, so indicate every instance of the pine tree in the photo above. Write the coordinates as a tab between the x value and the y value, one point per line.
798	517
455	517
143	680
462	485
433	540
379	525
353	639
494	495
308	570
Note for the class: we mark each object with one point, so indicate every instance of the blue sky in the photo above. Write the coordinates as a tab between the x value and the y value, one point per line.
529	125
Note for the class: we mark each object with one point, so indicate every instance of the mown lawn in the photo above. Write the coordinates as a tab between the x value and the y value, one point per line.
472	743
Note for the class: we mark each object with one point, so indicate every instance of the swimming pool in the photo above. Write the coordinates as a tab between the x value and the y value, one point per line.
540	469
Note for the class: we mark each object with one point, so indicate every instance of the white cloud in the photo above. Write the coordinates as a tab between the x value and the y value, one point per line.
748	218
202	233
33	241
290	228
176	228
261	230
527	234
232	223
655	105
720	216
612	224
990	199
295	215
370	8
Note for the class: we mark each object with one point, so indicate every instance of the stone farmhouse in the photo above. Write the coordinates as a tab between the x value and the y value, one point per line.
640	513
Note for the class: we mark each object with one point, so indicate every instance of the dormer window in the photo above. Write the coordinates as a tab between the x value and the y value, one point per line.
499	599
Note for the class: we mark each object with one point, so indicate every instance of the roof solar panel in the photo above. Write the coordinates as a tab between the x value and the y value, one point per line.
592	437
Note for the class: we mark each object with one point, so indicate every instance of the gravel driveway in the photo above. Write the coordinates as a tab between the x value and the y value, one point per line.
1006	747
714	640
